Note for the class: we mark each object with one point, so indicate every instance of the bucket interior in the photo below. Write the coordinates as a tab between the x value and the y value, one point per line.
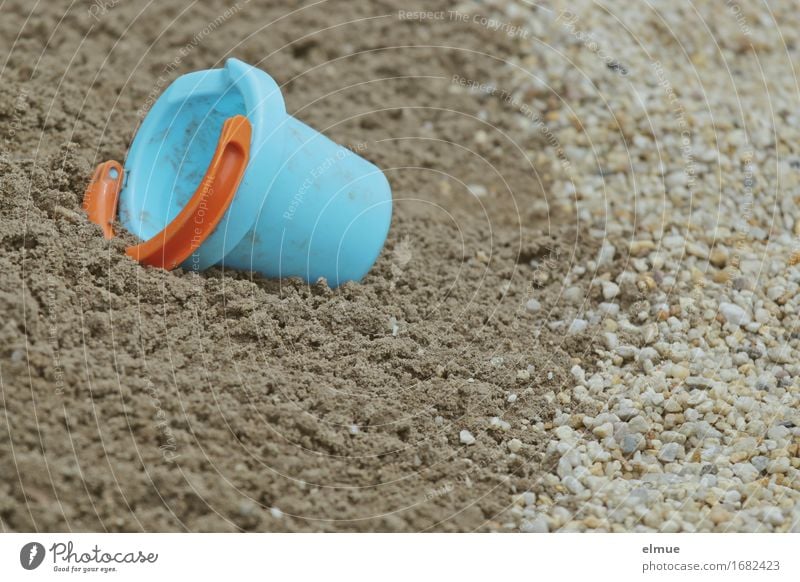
176	156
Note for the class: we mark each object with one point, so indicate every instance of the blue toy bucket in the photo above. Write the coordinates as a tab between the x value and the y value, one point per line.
304	206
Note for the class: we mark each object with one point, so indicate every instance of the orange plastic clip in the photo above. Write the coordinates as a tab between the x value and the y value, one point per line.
100	200
201	214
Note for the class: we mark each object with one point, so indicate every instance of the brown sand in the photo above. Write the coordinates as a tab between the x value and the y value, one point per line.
137	399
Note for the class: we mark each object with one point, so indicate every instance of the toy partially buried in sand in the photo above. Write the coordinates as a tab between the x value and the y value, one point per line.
219	173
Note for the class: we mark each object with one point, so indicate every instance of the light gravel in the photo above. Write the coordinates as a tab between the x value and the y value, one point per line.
680	125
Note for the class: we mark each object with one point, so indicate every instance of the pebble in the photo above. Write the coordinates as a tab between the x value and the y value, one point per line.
477	190
610	290
565	433
572	484
605	255
640	248
533	305
719	515
497	423
631	443
672	405
578	326
610	340
515	445
780	355
734	314
773	515
537	525
760	462
638	424
626	352
669	452
780	465
698	382
604	430
466	438
609	309
573	295
746	472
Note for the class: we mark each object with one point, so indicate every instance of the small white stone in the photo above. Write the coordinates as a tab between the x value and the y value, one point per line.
610	290
699	382
732	496
775	291
514	445
631	443
762	315
780	465
760	462
778	433
605	255
672	405
669	452
610	340
275	512
670	526
609	309
537	525
573	295
626	352
746	472
533	306
745	403
497	423
572	484
466	438
638	424
604	430
780	354
734	314
512	398
773	515
477	190
578	373
565	433
578	326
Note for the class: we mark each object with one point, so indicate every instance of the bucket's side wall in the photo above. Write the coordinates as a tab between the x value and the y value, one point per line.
326	214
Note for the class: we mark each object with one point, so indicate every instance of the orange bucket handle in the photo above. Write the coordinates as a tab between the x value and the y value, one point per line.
201	214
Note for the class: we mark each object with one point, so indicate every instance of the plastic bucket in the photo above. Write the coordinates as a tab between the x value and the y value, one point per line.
304	206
